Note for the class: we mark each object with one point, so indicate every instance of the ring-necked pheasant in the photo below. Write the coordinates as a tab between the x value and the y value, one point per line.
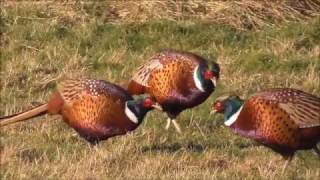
177	80
286	120
96	109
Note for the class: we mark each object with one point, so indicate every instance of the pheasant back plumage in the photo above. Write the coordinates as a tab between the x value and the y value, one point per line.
174	77
280	118
303	108
94	107
166	74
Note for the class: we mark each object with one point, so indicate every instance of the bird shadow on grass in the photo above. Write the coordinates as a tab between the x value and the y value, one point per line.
30	155
191	147
171	148
247	145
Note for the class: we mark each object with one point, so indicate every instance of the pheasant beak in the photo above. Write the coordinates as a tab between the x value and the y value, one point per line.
213	112
157	106
214	81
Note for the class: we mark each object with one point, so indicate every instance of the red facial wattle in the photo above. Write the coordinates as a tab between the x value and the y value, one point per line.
208	75
147	103
218	106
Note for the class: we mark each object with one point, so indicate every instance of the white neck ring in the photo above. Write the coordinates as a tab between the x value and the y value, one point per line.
232	119
132	117
196	80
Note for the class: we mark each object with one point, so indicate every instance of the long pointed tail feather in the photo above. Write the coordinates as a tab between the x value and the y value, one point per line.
37	111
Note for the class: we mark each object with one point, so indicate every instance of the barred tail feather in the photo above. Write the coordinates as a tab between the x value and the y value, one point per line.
37	111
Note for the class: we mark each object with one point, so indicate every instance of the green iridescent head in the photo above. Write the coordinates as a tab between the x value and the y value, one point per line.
206	76
138	107
227	105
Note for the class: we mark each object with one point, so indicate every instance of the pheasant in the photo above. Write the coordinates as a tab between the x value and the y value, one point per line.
96	109
177	80
285	120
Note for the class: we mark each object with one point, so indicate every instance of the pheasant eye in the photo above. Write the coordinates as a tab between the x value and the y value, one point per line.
147	103
208	75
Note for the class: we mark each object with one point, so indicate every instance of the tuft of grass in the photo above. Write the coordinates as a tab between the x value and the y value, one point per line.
258	45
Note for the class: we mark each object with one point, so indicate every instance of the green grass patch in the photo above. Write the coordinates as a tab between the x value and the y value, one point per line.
40	46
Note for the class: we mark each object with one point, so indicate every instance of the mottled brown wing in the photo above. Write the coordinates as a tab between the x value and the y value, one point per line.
143	73
93	101
158	61
72	88
303	108
89	110
174	78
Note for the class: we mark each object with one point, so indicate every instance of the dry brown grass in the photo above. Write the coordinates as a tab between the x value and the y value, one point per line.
242	14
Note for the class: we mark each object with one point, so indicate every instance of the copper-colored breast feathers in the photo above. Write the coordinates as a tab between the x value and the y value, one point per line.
272	124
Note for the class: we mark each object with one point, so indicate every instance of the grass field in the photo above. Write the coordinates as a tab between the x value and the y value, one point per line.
42	43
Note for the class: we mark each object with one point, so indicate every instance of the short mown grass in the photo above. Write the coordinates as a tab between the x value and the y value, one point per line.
40	46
